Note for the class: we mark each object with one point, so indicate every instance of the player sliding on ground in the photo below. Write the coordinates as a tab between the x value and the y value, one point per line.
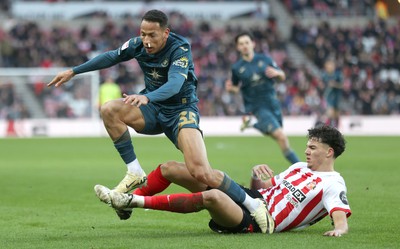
298	197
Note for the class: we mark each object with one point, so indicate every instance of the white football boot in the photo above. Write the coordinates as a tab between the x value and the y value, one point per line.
264	218
130	182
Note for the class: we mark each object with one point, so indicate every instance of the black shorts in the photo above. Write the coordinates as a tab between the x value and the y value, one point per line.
247	225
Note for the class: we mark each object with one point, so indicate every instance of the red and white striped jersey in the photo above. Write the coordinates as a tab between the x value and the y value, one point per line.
301	197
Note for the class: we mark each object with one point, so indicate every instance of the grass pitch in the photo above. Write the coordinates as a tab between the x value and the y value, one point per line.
47	198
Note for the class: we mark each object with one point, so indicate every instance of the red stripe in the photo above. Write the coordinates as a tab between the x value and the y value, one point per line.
277	199
289	207
306	210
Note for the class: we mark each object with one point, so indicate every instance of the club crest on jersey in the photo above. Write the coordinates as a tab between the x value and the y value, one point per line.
311	185
260	64
343	197
182	62
164	63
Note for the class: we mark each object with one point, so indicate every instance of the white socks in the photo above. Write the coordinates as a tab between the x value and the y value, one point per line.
135	168
251	204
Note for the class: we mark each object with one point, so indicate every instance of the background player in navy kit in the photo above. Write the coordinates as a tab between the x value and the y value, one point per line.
254	74
168	105
332	78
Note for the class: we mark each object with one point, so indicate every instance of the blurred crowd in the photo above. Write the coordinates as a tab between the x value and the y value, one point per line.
369	57
328	8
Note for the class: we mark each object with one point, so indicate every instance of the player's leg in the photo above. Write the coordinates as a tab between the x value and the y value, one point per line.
192	145
270	123
178	173
280	137
223	210
117	116
165	174
227	216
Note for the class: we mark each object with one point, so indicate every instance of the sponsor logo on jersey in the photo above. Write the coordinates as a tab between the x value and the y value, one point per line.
125	45
296	196
182	62
343	197
299	195
154	74
184	49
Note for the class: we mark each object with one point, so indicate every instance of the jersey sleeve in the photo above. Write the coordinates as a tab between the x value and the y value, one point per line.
180	60
235	78
271	62
335	197
109	58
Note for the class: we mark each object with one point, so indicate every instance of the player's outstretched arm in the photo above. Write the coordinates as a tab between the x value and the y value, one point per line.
61	78
340	224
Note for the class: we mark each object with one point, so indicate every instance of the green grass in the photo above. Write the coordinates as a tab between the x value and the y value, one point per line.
47	198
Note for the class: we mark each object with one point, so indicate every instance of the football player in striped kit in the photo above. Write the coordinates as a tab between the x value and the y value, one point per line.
298	197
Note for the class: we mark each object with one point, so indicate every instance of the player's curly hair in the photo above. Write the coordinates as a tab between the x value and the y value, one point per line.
156	16
330	136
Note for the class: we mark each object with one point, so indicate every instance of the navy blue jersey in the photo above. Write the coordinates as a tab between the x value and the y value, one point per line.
333	94
336	77
169	74
257	89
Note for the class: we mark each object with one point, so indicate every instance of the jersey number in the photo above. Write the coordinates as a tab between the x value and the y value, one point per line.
186	117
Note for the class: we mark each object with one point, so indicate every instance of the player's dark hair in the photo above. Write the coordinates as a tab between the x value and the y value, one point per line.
330	136
156	16
245	33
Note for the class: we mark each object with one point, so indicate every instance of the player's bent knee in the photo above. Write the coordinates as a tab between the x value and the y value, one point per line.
205	177
108	108
213	196
171	168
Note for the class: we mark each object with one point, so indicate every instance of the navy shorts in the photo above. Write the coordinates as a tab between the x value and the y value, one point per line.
268	121
248	224
169	119
333	98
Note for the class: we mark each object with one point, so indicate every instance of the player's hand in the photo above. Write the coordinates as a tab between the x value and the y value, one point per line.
229	87
61	78
135	99
271	72
334	233
262	172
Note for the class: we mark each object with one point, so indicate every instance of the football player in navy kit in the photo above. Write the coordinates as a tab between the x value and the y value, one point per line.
168	105
254	76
